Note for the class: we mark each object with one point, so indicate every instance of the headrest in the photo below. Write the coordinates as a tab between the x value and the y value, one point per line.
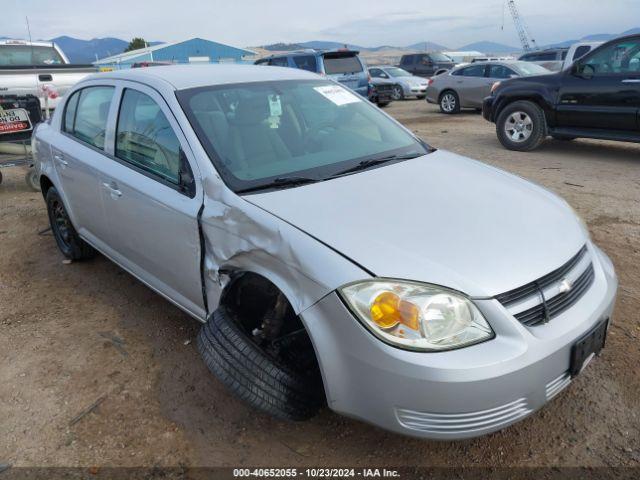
251	110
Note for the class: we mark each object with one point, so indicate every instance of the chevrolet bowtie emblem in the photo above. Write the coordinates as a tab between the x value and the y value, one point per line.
565	285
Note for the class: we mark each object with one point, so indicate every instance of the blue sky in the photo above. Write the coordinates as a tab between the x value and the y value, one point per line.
365	22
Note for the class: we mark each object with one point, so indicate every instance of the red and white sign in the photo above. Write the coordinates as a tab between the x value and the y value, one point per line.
14	120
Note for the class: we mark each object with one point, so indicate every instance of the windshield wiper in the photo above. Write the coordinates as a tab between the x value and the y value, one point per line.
364	164
280	182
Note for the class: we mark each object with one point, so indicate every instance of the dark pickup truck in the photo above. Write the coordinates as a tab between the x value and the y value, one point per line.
597	97
426	64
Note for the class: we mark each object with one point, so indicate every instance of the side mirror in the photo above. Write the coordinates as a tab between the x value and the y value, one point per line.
185	176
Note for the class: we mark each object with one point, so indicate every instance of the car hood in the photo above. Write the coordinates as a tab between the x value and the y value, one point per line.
440	218
413	80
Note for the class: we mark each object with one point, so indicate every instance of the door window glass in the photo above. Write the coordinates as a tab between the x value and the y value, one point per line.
618	58
581	51
474	71
306	62
279	62
91	115
145	138
70	112
500	71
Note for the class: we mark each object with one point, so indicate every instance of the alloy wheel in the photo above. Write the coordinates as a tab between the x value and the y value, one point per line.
448	102
518	127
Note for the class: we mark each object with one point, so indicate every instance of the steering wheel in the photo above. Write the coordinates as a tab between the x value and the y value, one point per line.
314	135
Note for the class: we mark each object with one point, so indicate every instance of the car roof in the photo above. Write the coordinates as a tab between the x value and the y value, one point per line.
181	77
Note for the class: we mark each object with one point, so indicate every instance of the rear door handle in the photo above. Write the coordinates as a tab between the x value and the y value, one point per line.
58	157
113	189
631	80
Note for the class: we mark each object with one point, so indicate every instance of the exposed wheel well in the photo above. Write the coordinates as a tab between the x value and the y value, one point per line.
45	185
267	317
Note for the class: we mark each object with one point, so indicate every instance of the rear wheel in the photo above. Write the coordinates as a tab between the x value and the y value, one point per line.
68	240
521	126
449	102
383	104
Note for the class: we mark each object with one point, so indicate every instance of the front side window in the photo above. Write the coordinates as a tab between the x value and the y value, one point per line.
439	57
258	132
306	62
89	121
500	71
144	137
617	58
581	51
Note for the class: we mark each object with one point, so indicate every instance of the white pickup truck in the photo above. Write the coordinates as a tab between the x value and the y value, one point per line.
25	67
557	59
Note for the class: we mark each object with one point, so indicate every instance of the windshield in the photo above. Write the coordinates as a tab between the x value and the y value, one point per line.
258	132
527	68
398	72
439	57
28	55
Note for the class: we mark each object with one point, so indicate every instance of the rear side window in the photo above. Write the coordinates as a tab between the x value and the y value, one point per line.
500	71
144	137
473	71
91	113
342	64
407	60
306	62
279	62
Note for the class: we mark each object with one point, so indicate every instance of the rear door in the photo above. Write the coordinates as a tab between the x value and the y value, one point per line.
602	91
79	156
470	84
153	222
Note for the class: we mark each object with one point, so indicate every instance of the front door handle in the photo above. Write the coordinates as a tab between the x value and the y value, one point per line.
58	157
113	189
631	80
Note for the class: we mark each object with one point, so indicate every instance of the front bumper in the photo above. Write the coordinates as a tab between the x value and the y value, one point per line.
461	393
487	108
414	90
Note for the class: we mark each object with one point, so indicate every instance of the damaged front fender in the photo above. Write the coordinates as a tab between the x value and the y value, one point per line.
241	237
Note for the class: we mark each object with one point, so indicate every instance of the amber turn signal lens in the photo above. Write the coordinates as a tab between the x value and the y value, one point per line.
388	311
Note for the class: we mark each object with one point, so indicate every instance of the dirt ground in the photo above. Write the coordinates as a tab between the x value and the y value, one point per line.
76	335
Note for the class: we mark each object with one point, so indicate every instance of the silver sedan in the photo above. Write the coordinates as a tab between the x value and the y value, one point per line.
408	85
466	86
333	257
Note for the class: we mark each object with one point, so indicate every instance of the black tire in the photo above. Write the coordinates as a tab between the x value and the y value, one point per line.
0	177
383	104
449	102
564	138
255	377
421	97
526	121
68	240
397	93
32	180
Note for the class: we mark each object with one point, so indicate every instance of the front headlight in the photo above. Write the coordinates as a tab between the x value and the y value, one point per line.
416	316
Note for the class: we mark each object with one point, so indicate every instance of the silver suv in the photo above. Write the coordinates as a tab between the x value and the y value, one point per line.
332	256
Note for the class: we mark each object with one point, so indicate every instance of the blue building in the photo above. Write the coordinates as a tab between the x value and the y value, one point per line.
195	50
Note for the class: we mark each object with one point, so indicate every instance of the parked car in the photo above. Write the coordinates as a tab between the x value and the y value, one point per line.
381	91
406	84
288	215
598	97
562	58
150	64
25	67
426	64
468	85
344	66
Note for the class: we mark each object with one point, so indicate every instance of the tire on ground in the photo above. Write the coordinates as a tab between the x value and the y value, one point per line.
453	98
252	375
539	126
74	248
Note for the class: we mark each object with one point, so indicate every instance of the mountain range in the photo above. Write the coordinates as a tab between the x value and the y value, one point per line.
86	51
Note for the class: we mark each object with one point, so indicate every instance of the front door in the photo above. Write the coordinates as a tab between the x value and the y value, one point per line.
153	221
602	90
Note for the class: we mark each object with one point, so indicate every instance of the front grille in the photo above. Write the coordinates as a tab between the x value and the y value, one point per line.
540	301
384	88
